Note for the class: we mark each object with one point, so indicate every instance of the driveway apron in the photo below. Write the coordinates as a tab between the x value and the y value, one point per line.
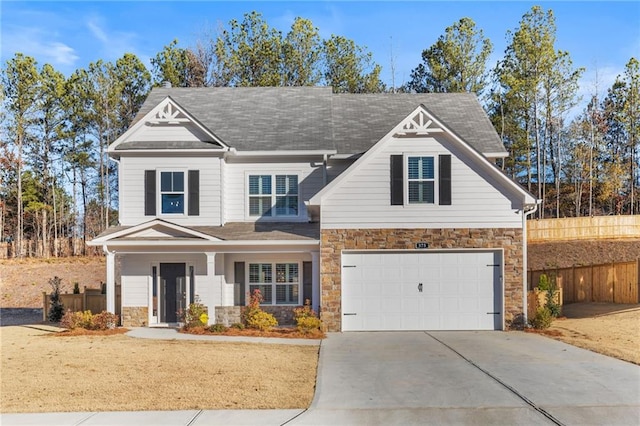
468	378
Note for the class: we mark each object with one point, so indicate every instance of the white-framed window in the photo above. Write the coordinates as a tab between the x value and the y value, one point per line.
420	180
273	195
172	193
279	283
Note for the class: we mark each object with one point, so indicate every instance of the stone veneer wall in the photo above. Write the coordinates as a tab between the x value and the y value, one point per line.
135	316
228	315
333	241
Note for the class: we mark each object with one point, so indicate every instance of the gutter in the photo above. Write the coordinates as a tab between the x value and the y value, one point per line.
525	275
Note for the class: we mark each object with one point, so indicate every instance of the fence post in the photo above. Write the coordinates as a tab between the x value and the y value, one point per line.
84	299
592	298
613	283
638	279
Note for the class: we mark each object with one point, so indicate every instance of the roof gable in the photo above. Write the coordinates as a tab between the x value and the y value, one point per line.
167	126
156	229
418	123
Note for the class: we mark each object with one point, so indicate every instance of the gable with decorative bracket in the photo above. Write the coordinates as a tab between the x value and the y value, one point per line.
418	124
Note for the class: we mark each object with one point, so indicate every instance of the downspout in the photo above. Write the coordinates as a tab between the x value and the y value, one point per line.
525	273
324	170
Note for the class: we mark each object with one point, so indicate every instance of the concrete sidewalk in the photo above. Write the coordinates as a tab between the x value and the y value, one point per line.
418	378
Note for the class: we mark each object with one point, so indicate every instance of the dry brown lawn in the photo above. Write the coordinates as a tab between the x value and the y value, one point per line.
41	372
609	329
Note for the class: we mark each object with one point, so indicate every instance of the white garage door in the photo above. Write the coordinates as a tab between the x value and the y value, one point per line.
401	290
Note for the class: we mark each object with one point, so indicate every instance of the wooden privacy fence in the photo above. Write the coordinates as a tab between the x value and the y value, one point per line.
92	299
582	228
609	283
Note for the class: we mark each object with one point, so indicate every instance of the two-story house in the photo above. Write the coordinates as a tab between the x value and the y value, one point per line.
386	211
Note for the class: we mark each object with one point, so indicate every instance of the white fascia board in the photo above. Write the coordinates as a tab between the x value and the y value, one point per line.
199	243
496	154
173	152
289	153
146	225
111	150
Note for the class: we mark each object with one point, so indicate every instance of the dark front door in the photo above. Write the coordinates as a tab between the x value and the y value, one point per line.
173	290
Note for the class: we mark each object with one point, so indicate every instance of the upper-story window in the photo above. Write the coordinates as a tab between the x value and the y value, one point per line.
177	194
420	180
172	192
273	195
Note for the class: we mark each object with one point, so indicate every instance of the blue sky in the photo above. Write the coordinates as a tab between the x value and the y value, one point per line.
599	35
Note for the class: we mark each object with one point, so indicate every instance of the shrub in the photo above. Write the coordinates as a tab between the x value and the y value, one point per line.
543	318
262	321
254	317
196	315
253	307
308	324
86	320
217	328
306	318
550	286
56	311
238	325
105	321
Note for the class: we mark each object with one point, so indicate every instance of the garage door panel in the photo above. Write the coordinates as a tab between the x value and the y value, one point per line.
460	290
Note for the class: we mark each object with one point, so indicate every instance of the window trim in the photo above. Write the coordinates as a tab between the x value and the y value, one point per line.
435	179
274	282
185	191
274	196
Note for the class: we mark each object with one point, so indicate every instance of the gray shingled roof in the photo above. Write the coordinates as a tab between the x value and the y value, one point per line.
313	118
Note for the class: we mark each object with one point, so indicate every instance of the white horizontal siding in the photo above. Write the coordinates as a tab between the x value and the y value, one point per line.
131	189
136	276
362	199
236	194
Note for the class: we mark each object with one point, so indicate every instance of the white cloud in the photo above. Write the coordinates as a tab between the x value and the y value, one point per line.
97	32
38	44
114	44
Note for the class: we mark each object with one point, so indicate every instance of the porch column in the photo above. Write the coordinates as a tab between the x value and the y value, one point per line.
315	280
111	280
216	291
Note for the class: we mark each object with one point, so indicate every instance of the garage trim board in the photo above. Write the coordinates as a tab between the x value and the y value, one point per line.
387	290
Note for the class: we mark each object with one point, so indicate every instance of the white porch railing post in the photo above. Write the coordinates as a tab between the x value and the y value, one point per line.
111	280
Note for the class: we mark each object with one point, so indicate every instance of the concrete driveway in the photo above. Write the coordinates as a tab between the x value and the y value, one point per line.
449	378
469	378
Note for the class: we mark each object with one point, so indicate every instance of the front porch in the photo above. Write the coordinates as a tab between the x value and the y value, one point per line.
164	268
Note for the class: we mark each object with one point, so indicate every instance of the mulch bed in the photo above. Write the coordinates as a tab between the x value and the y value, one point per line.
285	332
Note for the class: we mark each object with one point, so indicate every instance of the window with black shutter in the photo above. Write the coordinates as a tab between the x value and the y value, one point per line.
149	192
397	180
444	180
194	192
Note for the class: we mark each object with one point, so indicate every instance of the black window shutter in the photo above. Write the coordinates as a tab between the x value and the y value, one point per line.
444	180
194	192
397	180
149	192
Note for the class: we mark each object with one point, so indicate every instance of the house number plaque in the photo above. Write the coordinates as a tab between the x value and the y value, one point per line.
422	245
